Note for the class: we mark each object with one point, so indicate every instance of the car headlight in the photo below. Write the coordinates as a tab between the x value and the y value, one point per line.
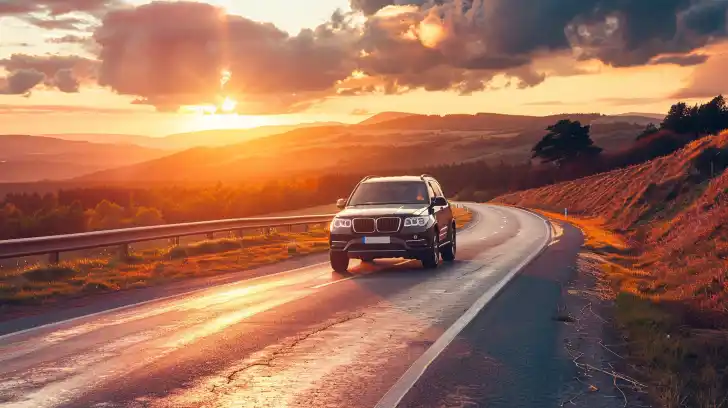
416	221
340	223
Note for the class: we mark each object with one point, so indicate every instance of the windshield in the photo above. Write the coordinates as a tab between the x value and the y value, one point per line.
393	192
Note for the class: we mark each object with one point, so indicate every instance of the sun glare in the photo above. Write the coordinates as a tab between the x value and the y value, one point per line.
228	105
431	33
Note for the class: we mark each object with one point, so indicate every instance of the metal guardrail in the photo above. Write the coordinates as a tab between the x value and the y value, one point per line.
54	245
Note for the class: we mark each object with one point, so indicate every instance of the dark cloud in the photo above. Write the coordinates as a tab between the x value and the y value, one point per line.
681	60
21	82
617	32
66	73
56	23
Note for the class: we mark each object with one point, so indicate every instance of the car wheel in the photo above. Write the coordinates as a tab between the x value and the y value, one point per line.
339	261
448	251
432	258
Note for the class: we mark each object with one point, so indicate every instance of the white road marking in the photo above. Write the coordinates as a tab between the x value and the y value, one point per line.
323	285
116	309
395	394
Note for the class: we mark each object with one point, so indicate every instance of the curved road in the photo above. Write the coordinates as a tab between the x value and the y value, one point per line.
298	338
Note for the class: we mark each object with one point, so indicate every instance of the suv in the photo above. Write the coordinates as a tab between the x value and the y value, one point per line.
393	217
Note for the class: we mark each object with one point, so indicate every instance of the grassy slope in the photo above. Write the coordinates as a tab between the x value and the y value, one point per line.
665	259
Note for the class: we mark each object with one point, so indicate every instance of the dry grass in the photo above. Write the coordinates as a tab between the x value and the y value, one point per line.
662	230
42	283
463	217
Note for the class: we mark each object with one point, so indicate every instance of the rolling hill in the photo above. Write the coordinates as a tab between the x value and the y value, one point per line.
402	143
182	141
34	158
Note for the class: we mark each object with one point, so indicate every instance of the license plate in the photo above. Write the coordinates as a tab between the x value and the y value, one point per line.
376	240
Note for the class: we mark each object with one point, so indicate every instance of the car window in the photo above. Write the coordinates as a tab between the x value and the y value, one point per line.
395	192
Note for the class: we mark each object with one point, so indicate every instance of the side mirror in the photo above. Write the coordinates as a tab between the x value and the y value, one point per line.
341	203
439	202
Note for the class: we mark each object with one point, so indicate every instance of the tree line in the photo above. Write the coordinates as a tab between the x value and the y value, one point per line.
566	152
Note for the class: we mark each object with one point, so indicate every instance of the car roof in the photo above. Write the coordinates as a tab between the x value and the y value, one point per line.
394	179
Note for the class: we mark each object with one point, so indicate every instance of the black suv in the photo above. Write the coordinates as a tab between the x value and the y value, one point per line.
393	217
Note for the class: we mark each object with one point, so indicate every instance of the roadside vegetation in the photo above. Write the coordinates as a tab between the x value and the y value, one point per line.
36	284
661	229
39	283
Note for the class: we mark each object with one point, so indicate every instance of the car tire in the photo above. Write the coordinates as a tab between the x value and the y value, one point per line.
339	261
432	259
448	251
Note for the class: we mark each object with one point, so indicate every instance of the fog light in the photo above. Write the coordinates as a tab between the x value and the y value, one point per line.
416	237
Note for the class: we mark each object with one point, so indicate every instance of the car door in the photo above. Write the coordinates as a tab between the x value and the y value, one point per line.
441	212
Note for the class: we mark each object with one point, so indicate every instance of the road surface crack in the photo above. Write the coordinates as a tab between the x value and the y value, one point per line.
283	349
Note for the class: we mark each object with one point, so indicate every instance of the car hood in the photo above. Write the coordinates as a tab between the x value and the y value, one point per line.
384	210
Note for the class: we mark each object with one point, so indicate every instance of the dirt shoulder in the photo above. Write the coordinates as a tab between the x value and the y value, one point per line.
626	338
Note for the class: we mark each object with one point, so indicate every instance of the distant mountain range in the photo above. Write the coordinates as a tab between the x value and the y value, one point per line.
404	142
32	158
183	141
312	147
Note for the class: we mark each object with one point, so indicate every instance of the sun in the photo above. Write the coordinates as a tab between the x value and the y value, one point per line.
228	105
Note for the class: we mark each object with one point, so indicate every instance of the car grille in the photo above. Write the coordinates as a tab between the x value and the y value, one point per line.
364	225
388	224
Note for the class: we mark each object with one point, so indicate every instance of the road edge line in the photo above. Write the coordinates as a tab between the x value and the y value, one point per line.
405	383
146	302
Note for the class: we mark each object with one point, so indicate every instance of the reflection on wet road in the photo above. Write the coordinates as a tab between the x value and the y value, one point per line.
305	338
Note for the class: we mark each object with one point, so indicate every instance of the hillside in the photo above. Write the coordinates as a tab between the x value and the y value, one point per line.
183	141
671	284
667	207
385	117
354	149
33	158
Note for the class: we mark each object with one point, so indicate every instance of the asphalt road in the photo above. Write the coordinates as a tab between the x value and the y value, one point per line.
301	337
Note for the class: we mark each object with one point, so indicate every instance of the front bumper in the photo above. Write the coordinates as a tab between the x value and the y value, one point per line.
401	245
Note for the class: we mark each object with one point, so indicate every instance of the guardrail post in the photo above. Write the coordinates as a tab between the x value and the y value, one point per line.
124	251
54	257
175	241
240	233
305	228
290	228
211	236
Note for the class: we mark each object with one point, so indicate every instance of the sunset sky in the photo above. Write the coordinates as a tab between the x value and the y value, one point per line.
127	66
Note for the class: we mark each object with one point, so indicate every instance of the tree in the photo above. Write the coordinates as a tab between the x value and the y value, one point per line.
567	141
650	129
677	119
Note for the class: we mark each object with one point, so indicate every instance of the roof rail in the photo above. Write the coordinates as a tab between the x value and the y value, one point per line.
426	175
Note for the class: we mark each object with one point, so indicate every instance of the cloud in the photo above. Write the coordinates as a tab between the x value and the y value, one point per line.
619	33
169	54
175	53
69	39
360	112
21	82
707	80
9	109
66	73
56	14
55	8
681	60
